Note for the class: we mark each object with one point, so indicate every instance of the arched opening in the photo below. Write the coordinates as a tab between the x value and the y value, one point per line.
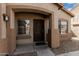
32	27
33	16
38	26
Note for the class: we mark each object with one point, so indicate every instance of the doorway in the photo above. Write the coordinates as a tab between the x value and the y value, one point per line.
38	29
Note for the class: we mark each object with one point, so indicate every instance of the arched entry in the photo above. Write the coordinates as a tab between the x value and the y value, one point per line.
12	10
31	28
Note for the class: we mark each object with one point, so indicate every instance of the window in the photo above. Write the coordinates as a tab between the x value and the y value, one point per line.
24	27
63	26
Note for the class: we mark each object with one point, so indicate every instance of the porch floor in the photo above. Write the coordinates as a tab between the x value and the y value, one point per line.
67	46
30	50
24	50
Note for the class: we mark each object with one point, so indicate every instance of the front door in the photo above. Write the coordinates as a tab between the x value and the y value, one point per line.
38	31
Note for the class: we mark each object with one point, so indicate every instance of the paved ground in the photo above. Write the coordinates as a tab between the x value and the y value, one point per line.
44	51
27	50
24	50
30	50
74	53
67	46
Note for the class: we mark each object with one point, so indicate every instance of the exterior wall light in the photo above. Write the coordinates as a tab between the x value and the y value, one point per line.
5	17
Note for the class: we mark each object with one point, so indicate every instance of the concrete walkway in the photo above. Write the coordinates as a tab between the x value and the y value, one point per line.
67	46
24	50
74	53
29	50
44	51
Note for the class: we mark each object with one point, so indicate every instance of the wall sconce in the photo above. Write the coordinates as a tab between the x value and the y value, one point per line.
5	17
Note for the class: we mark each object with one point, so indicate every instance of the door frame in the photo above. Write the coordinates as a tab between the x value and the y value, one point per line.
43	28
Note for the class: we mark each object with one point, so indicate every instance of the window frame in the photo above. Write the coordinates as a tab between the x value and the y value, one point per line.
59	26
24	27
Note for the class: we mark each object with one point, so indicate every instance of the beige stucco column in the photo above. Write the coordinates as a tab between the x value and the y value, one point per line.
12	30
11	34
3	38
55	38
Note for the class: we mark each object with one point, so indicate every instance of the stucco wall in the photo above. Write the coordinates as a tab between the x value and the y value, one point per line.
75	22
3	38
65	16
50	7
75	11
44	8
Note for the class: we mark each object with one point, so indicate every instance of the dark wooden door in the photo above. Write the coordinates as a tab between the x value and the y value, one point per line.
38	31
